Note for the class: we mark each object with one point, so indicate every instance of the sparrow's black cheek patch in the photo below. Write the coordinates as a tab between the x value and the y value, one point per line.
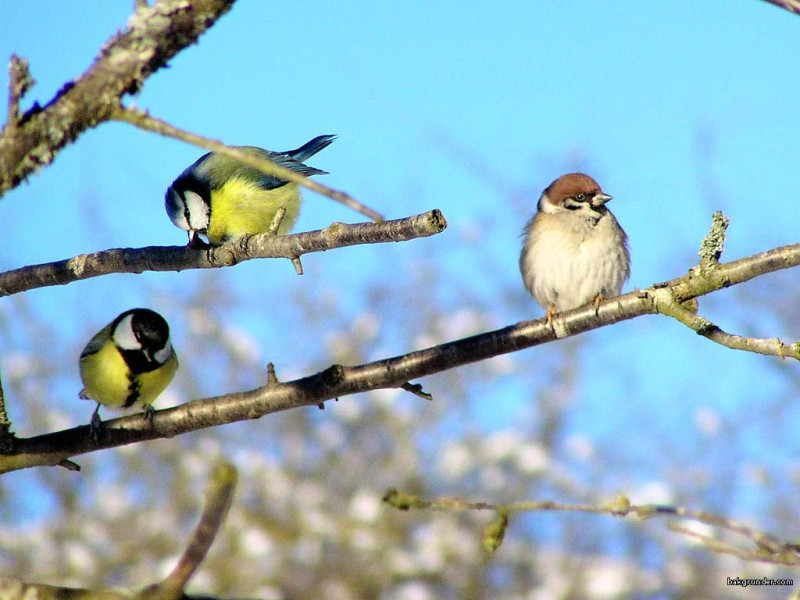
572	204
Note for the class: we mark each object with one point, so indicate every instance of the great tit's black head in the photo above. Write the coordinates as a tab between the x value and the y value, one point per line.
142	336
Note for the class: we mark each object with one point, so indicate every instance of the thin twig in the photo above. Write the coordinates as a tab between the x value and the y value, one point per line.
20	81
298	266
714	243
666	304
143	120
276	220
768	548
417	390
272	377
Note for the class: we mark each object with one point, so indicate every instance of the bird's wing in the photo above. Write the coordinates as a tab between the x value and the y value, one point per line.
94	345
284	159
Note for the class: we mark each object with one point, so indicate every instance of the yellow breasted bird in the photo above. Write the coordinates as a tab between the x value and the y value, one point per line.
128	363
224	199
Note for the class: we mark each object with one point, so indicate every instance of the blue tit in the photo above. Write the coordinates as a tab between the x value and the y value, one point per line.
224	199
128	363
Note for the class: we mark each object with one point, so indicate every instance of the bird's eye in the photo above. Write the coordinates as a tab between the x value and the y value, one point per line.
580	197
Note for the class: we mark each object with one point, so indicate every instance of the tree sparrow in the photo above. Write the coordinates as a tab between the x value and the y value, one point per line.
574	249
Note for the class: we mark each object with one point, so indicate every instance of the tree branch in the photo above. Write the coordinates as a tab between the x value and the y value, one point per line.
179	258
666	304
768	548
143	120
153	36
792	6
338	380
686	311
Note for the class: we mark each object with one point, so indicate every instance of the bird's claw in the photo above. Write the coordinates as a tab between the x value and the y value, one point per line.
549	315
96	424
598	300
149	414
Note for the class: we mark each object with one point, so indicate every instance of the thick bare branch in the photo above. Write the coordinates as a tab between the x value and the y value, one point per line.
153	36
179	258
143	120
338	380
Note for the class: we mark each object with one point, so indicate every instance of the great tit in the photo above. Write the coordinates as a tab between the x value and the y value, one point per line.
224	199
128	363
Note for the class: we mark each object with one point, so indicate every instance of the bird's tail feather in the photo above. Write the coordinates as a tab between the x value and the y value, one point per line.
311	147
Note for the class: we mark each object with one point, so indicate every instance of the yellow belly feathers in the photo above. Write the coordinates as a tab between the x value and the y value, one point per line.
241	207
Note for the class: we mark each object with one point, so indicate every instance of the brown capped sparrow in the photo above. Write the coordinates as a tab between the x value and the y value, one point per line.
574	249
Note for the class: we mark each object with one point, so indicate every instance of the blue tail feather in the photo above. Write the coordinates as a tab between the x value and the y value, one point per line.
311	147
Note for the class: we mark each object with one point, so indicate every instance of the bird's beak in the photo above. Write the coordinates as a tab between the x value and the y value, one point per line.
600	199
196	242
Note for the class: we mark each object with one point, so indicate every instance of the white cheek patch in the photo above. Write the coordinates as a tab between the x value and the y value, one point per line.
123	335
163	355
545	205
198	211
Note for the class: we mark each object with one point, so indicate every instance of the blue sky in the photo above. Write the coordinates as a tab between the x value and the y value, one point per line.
677	108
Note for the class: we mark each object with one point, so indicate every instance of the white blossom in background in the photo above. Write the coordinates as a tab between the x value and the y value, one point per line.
707	420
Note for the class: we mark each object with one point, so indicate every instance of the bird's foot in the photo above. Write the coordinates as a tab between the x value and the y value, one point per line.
149	414
96	424
596	303
548	316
